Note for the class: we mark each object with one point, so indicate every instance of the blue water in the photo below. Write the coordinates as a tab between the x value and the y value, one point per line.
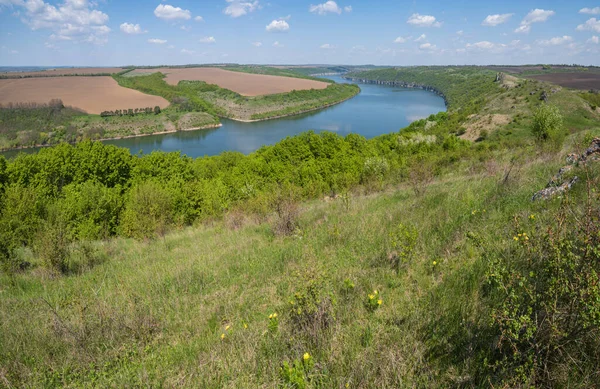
376	110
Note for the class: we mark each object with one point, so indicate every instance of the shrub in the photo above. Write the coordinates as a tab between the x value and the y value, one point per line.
402	242
52	243
285	204
544	303
548	125
148	211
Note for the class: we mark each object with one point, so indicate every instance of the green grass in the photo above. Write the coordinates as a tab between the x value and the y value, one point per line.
152	313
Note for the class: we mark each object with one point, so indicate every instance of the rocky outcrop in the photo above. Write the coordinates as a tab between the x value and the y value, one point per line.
558	184
401	84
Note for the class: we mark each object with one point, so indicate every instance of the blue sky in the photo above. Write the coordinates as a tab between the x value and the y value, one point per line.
382	32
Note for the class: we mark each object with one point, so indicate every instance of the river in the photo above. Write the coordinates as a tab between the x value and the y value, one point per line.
376	110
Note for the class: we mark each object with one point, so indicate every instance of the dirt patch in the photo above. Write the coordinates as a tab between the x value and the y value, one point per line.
62	72
245	84
478	123
90	94
583	81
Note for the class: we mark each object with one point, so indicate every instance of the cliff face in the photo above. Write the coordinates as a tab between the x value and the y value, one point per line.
401	84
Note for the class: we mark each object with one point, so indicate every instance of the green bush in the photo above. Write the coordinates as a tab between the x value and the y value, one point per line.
545	310
548	125
148	211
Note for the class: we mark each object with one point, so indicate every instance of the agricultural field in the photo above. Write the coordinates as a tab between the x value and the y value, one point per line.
62	72
582	81
245	84
90	94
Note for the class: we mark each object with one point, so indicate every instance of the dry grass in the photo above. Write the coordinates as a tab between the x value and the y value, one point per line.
245	84
90	94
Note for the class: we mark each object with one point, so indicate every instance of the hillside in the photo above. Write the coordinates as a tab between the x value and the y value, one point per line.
414	259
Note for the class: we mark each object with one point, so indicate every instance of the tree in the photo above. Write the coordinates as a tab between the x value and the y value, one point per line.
548	124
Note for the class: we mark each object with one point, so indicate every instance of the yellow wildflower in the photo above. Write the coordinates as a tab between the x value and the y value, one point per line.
434	263
379	302
222	336
227	327
270	316
274	315
306	356
375	292
245	325
515	238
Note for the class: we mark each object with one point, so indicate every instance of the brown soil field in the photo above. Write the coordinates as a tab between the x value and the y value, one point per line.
245	84
62	72
583	81
90	94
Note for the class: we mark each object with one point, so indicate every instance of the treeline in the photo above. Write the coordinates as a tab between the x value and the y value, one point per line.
46	75
132	112
95	191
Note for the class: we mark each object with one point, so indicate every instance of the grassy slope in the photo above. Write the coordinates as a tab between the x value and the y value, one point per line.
502	109
152	313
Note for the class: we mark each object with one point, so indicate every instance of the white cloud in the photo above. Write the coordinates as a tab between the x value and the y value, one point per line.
460	33
72	20
427	46
483	45
168	12
257	44
277	44
594	40
348	8
327	46
327	7
534	16
208	39
237	8
591	25
559	40
186	51
402	39
130	28
157	41
590	11
186	28
421	38
423	21
199	19
494	20
278	26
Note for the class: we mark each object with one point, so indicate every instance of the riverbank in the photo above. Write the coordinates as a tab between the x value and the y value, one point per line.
400	84
211	126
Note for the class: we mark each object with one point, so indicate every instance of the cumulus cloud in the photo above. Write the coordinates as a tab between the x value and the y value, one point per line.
494	20
590	11
130	28
427	46
278	26
208	39
594	40
327	46
421	38
348	8
72	20
277	44
559	40
402	39
591	25
423	21
168	12
483	45
534	16
157	41
237	8
327	7
199	19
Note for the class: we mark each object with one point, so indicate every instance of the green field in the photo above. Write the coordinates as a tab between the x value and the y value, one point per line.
414	259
